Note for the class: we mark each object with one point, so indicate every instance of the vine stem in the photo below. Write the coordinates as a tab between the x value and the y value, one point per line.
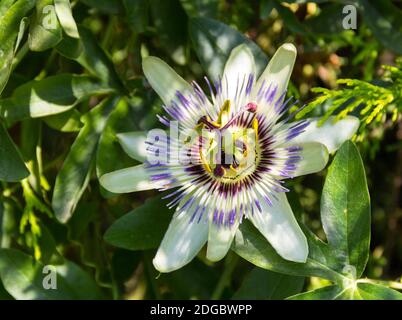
230	264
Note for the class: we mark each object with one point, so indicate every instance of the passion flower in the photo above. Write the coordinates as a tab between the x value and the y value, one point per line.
224	181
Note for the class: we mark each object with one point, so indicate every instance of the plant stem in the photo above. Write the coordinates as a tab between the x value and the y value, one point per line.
230	264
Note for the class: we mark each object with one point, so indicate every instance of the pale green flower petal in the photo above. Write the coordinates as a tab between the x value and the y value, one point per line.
279	226
133	143
128	180
330	134
181	243
278	71
314	158
163	79
219	240
238	67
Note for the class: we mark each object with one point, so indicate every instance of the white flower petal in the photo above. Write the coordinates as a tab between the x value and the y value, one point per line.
279	226
314	158
278	71
163	79
181	243
128	180
219	241
238	67
133	143
330	134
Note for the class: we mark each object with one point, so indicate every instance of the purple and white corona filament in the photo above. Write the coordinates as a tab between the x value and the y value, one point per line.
225	155
235	156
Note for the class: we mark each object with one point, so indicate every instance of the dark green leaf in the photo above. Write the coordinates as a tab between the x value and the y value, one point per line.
345	209
329	20
137	14
91	56
12	167
141	229
23	278
45	30
194	281
172	32
9	33
110	155
52	95
213	41
261	284
385	21
75	174
266	7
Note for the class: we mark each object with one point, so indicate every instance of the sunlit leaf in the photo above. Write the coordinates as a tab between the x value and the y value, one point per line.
345	209
50	96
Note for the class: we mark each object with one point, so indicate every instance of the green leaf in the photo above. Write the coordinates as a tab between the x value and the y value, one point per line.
328	21
70	48
213	42
266	285
345	209
252	246
361	291
10	31
12	167
137	14
141	229
369	291
266	7
91	56
193	281
23	278
201	8
171	32
385	21
65	15
5	5
110	156
50	96
326	293
75	174
45	30
69	121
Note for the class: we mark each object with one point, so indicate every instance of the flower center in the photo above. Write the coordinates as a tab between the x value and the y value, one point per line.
229	148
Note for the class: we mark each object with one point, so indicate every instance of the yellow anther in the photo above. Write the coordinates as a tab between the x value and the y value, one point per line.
224	113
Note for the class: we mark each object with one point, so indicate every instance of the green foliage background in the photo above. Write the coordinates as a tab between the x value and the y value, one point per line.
67	91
